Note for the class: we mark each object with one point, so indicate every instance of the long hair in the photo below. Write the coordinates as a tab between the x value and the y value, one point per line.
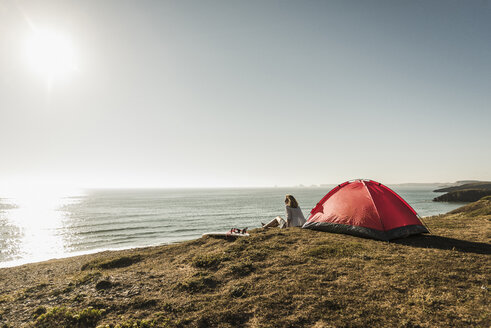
291	201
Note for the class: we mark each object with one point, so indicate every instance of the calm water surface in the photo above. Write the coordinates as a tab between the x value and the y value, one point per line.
37	226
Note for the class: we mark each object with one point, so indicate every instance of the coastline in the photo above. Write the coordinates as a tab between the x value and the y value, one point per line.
142	218
292	277
21	262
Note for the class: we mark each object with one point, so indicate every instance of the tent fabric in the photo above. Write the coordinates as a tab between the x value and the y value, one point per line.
365	208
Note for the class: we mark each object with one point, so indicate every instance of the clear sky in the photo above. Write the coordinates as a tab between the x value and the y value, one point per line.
244	93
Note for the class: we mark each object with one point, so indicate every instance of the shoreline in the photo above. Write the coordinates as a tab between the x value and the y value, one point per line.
79	228
89	252
291	277
20	262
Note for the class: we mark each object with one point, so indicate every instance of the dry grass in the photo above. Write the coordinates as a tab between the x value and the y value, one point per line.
275	278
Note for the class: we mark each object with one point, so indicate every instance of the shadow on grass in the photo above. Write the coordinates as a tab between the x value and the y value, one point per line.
439	242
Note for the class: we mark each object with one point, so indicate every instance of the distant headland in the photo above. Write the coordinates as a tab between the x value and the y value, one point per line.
465	191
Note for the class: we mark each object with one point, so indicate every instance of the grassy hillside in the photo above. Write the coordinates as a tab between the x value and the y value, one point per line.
275	278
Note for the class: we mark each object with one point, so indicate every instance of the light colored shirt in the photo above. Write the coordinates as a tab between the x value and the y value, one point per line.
294	217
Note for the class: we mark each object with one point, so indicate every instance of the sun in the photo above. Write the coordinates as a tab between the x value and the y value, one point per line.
50	54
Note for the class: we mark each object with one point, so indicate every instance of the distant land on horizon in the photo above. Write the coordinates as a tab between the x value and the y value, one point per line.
404	184
467	192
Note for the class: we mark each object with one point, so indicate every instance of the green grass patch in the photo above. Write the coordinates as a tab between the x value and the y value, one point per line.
138	324
142	323
62	317
39	311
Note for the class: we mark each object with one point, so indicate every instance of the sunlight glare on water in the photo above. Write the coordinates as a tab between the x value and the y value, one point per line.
37	218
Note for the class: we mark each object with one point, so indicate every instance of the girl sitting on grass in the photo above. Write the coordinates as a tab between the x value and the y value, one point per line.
294	215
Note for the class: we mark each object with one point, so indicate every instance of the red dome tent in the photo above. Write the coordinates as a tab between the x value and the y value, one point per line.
365	208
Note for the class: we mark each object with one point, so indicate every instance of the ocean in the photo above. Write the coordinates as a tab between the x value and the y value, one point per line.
36	226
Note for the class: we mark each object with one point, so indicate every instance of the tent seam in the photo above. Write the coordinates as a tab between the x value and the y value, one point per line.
374	206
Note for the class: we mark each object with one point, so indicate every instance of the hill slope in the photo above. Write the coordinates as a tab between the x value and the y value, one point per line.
275	278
